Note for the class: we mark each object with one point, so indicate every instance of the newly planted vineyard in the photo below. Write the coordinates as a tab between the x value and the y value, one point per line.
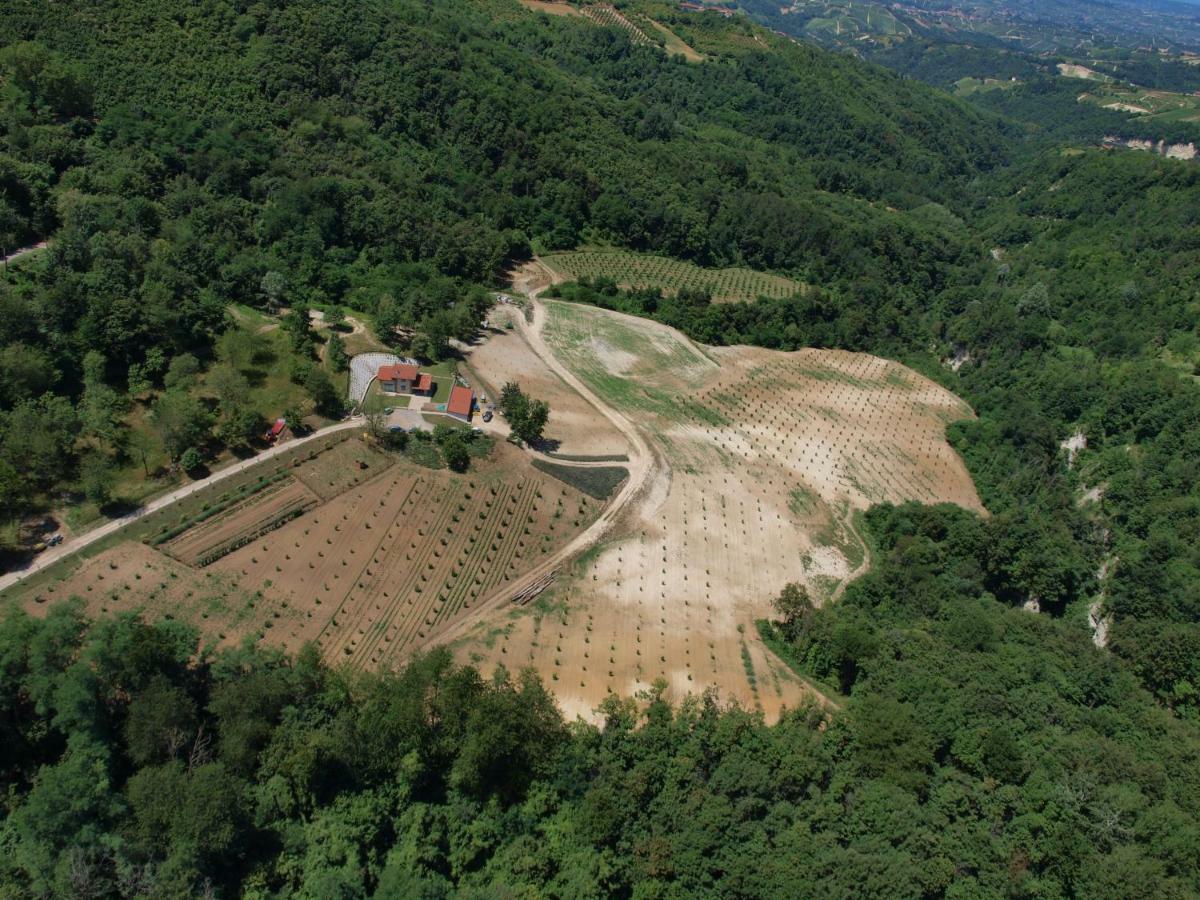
606	15
637	270
383	568
263	511
365	554
767	455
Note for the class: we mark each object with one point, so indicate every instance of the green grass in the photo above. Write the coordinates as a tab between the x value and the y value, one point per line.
639	270
802	502
578	457
595	481
443	379
271	391
269	374
593	343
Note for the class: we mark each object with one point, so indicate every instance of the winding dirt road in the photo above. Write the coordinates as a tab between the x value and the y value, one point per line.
642	466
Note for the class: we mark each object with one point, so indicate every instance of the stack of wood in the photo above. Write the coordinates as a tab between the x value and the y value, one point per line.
524	595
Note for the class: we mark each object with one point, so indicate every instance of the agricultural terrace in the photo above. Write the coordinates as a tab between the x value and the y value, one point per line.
575	425
638	270
362	552
765	458
606	15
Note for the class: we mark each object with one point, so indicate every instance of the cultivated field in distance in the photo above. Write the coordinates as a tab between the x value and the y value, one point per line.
639	270
763	459
365	553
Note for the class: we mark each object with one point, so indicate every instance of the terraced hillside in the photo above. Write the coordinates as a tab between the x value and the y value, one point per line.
364	553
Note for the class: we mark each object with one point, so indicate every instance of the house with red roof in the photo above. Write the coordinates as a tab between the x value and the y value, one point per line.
461	402
397	379
403	378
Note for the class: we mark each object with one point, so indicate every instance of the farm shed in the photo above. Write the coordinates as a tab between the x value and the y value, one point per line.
461	402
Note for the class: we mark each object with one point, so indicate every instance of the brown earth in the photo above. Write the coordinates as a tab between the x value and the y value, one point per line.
370	574
256	512
574	423
763	458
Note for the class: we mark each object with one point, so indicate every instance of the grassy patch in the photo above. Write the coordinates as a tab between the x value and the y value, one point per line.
579	457
595	481
802	502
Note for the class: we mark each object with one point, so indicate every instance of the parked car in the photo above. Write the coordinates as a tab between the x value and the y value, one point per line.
487	417
54	540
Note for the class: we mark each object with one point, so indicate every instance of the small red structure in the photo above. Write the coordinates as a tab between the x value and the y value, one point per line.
461	402
423	384
275	430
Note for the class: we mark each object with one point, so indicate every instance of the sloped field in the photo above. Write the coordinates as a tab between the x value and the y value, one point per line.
637	270
764	458
366	554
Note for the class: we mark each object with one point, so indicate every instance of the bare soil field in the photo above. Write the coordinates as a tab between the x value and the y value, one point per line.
764	458
204	543
370	572
574	423
340	468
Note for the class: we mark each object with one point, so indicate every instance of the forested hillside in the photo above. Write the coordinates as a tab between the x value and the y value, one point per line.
196	165
386	156
987	753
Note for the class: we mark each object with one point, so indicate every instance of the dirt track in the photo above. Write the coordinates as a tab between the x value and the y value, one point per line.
641	466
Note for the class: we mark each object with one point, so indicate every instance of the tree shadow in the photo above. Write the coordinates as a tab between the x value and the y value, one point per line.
119	508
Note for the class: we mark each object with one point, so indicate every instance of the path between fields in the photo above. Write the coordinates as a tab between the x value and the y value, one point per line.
641	466
861	568
25	251
49	557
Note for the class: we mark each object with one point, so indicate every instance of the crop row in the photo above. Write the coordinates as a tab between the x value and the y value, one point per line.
226	503
458	555
635	270
606	15
271	524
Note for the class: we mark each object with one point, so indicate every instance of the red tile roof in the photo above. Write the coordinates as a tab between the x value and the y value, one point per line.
400	372
424	382
461	401
279	425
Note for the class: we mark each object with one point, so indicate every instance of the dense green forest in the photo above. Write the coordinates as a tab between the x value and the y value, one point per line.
983	752
196	166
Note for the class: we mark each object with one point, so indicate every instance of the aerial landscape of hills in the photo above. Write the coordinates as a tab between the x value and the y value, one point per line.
520	448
